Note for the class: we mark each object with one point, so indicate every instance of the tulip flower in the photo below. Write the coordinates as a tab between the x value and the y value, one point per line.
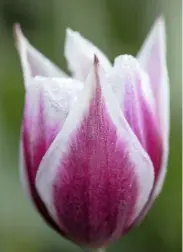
94	146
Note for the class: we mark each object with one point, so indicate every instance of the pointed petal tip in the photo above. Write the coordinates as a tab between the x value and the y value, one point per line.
161	18
70	32
71	35
160	24
17	33
79	49
96	60
16	27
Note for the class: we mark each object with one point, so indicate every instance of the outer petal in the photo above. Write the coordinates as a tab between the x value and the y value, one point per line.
79	55
33	62
95	178
131	87
47	104
152	57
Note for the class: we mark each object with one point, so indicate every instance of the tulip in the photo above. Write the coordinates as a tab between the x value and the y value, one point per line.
94	146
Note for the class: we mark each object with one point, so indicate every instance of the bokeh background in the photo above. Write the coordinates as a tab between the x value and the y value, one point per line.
117	27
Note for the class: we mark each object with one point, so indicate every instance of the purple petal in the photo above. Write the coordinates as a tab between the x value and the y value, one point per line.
47	105
152	57
133	92
95	178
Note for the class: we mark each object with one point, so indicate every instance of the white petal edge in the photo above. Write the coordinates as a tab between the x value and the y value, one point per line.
57	96
158	31
45	66
79	53
45	177
125	67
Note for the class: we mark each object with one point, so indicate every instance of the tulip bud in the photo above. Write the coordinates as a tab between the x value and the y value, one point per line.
94	147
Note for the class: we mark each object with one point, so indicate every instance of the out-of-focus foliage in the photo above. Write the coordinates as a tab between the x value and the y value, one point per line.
117	27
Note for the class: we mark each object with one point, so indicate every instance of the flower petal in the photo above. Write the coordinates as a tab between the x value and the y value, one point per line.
47	105
79	55
131	87
152	57
33	62
95	178
30	190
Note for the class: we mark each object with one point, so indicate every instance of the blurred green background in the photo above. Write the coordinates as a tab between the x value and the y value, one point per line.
117	27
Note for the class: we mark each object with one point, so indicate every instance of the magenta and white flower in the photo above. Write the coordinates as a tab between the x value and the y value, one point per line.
94	146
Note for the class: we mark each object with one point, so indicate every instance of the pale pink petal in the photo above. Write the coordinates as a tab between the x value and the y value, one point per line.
152	57
32	61
95	178
47	104
79	55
